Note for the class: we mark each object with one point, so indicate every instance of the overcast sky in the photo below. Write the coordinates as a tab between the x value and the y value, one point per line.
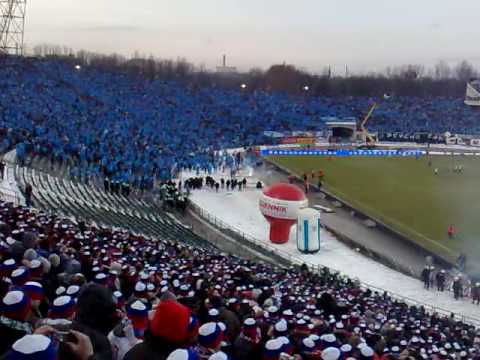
363	34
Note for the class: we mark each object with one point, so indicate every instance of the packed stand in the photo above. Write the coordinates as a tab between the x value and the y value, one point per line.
135	131
71	292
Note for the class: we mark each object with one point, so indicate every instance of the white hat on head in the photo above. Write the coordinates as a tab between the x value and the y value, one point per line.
73	289
182	354
367	351
60	290
140	286
331	353
218	356
32	346
308	343
281	325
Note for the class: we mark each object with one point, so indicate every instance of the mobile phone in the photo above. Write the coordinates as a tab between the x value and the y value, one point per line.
119	329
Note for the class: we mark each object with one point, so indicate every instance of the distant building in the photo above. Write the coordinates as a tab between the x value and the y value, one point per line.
224	69
472	94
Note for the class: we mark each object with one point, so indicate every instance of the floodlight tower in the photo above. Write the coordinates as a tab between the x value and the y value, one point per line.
12	23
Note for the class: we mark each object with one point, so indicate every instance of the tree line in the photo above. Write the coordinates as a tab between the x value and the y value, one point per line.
406	80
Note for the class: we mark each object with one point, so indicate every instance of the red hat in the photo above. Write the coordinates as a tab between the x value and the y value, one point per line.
137	312
34	290
210	335
171	322
36	268
62	307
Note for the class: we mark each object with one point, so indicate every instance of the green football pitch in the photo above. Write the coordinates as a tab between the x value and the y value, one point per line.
405	194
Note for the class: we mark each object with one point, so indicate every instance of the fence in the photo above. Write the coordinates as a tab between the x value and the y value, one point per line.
291	259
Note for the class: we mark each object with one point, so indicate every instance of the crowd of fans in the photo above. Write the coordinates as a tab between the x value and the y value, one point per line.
81	292
134	131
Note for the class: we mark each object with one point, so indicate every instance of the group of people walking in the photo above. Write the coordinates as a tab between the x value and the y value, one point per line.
461	287
197	183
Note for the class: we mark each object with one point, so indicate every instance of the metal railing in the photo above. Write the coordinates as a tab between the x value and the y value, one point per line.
8	195
317	268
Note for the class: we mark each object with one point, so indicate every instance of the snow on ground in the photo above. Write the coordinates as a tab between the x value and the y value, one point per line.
240	211
8	185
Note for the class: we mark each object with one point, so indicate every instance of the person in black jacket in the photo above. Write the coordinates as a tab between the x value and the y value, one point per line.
440	278
426	277
457	288
28	194
248	345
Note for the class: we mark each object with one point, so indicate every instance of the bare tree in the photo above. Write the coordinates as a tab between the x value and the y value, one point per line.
406	80
464	71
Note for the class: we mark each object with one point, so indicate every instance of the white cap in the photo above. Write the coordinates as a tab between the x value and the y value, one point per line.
218	356
60	290
281	326
274	344
213	312
140	286
73	289
13	297
366	351
31	344
331	353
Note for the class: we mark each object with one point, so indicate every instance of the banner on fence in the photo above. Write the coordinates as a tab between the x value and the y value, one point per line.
298	140
343	152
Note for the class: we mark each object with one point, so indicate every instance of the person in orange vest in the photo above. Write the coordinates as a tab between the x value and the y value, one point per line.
451	231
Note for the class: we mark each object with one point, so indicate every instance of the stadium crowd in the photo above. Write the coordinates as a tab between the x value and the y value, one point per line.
81	292
134	131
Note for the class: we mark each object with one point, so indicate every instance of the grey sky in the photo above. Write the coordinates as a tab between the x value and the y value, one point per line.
365	34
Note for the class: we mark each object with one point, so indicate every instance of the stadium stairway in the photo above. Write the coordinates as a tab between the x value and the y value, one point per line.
69	198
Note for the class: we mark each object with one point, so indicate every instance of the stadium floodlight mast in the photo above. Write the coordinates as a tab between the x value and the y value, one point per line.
12	24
